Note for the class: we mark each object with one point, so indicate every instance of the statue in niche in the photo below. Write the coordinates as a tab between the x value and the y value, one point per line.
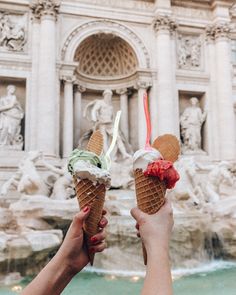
11	115
12	36
190	125
26	180
189	52
100	112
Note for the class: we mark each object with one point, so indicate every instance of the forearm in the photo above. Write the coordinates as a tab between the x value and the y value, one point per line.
51	280
158	277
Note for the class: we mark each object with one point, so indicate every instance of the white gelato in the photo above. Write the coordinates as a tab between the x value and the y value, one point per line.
142	158
86	170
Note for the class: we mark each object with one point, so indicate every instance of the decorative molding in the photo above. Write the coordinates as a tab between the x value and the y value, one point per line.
78	87
68	78
164	22
218	30
40	8
143	84
12	32
111	27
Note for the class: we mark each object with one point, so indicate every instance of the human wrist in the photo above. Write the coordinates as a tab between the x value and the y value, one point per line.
158	247
65	266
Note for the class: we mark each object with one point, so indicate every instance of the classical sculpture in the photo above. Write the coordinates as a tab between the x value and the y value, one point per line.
218	174
63	186
26	179
190	123
100	112
12	36
11	115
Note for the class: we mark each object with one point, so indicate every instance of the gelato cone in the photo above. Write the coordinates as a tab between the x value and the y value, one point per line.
91	179
153	175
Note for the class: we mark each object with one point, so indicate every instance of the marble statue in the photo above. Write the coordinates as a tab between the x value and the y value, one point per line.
63	186
11	115
190	123
217	175
188	191
26	179
100	112
12	36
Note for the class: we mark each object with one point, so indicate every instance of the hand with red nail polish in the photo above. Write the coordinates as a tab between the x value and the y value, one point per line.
71	258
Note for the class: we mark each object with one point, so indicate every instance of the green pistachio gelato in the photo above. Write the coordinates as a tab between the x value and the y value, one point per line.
92	158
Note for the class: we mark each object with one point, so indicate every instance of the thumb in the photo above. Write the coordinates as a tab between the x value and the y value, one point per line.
137	214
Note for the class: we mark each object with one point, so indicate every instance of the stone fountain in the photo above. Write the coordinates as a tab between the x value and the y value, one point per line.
33	224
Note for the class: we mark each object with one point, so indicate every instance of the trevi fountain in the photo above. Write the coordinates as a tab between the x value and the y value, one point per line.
66	68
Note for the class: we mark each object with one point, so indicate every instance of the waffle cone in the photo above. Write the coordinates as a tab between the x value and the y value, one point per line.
93	196
150	194
95	143
169	147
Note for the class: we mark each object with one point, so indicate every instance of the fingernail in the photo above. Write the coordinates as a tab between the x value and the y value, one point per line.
93	239
103	222
85	209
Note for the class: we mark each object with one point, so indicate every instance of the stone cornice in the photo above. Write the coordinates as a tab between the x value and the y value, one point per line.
218	30
164	22
40	8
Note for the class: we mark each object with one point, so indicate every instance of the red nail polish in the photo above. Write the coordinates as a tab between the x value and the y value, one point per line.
93	239
85	209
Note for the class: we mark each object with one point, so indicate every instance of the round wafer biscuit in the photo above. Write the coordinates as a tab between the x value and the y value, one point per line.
168	145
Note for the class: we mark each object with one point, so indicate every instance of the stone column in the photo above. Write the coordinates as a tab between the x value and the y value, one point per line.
211	104
164	25
79	89
224	98
47	97
31	143
142	89
67	116
124	122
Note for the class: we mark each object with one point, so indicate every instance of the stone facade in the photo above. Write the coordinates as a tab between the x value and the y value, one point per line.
61	55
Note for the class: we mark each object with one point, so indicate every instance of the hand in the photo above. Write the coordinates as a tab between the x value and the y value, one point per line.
155	230
73	251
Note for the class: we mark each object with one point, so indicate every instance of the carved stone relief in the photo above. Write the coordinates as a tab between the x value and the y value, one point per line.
189	51
12	32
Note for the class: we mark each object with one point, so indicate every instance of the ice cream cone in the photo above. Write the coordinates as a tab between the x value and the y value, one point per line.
92	195
150	194
168	145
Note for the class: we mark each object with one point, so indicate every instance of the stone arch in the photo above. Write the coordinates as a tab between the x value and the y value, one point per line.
87	29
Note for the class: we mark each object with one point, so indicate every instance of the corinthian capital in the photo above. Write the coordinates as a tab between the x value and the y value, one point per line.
218	30
45	7
164	22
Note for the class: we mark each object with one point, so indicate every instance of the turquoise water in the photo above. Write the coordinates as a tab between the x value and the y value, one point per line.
204	283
